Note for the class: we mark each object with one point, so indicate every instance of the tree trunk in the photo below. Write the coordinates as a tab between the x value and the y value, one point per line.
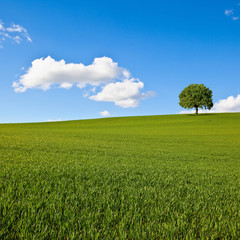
196	110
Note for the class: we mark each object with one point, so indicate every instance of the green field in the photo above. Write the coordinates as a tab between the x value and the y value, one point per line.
155	177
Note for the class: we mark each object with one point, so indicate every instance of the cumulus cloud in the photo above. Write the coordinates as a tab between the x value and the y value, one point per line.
105	113
235	18
124	94
115	82
13	32
47	72
230	104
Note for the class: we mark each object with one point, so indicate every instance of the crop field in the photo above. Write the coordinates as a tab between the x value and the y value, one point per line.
154	177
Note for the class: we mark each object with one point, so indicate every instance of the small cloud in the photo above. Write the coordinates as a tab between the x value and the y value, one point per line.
125	94
19	29
105	113
29	39
229	12
14	32
1	26
193	111
17	39
16	28
66	85
85	94
4	35
235	18
54	120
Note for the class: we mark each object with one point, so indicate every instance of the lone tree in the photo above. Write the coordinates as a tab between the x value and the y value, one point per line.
196	96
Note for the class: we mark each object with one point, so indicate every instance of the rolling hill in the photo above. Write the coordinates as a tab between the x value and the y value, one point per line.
150	177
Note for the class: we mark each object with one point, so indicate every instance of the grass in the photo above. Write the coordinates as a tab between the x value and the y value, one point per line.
167	177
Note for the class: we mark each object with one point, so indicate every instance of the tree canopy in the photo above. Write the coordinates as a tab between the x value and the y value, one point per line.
196	96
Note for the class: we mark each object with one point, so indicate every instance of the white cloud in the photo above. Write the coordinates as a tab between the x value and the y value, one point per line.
19	29
228	12
117	86
193	111
46	72
230	104
1	26
4	35
16	28
85	94
105	113
17	39
54	120
15	32
124	94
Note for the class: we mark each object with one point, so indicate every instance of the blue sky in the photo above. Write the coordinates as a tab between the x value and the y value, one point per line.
163	45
